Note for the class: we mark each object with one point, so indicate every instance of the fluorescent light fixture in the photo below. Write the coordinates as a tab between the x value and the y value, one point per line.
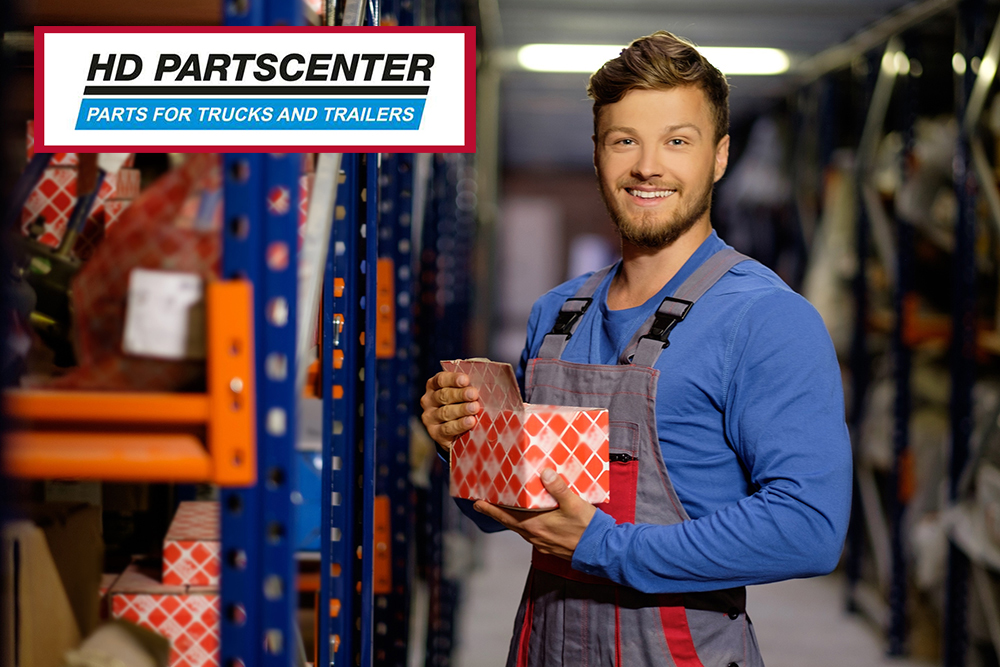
589	58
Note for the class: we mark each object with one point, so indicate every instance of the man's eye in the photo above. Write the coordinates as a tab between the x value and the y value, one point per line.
676	142
626	142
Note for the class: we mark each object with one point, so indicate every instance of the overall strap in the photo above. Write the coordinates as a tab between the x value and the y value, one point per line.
569	316
650	340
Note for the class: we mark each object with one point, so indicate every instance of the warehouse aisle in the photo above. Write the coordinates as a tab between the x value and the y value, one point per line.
796	620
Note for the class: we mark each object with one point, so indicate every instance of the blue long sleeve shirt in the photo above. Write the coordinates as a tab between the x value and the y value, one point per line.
750	418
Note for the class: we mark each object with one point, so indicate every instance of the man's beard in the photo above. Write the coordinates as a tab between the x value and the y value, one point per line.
654	230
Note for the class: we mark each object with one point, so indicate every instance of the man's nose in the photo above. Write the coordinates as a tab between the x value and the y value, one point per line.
648	165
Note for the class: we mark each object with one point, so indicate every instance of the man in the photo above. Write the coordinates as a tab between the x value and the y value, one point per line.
730	460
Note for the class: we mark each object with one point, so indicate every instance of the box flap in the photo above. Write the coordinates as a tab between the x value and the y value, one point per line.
495	380
136	579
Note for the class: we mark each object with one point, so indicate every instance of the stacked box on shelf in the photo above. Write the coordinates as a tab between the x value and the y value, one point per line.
54	197
186	615
184	607
191	548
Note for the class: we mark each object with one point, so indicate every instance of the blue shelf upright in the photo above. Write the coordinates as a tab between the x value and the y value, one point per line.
444	310
343	387
258	577
971	41
901	475
395	379
260	242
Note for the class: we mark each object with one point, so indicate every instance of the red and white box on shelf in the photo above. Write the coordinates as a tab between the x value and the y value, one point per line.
501	459
186	615
52	200
191	549
54	197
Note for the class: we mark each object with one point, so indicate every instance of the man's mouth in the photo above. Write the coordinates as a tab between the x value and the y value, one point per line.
649	194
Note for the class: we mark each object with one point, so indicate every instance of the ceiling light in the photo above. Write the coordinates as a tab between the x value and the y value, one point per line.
589	58
958	63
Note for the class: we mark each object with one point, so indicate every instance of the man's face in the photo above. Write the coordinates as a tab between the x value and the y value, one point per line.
657	160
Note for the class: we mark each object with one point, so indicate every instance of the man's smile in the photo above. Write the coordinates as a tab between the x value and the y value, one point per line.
646	193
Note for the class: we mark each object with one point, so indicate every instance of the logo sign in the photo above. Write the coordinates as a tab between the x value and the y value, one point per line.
275	89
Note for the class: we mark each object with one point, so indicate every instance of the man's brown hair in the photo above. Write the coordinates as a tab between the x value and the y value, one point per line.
661	61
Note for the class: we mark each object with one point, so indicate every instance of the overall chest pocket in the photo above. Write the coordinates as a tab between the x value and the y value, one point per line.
624	463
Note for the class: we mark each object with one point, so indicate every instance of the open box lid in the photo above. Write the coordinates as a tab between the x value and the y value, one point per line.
497	384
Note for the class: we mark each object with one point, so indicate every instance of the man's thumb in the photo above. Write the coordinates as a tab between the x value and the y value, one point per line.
556	485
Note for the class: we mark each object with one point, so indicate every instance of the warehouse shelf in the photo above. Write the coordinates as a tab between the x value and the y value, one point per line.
152	437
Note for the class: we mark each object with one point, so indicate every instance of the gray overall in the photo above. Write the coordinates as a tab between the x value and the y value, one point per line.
571	618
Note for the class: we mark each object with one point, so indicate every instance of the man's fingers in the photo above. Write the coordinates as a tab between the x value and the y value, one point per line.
445	379
455	411
494	512
556	485
456	427
452	395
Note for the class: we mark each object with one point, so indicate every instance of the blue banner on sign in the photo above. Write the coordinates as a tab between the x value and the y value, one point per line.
250	114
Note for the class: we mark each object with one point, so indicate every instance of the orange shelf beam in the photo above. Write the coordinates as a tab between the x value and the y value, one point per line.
106	456
106	407
43	444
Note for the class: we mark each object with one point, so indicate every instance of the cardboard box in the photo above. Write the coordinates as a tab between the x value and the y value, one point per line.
501	459
186	615
192	546
73	533
38	624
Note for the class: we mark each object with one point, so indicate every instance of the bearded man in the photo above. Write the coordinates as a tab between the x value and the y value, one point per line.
730	459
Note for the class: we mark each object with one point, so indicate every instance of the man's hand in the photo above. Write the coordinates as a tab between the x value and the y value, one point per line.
450	406
555	532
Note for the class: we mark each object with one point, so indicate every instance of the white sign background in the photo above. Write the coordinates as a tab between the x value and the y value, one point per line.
67	59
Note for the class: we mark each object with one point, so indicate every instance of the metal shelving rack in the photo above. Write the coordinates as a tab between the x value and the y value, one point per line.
368	368
971	41
885	527
258	576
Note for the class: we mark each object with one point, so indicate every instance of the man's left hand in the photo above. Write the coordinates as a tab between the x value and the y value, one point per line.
555	532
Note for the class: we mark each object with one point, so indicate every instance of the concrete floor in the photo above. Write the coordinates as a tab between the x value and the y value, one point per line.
798	622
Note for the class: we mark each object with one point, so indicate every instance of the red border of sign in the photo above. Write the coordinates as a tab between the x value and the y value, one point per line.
470	90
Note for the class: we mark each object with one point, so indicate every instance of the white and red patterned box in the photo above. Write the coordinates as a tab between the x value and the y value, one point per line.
113	210
52	200
501	459
191	547
186	615
122	184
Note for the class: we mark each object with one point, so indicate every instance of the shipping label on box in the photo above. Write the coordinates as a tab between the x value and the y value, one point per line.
191	548
501	459
186	615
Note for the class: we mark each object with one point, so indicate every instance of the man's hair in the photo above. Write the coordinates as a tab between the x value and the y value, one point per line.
661	61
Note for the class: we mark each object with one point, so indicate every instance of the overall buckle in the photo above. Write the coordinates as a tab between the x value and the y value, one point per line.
567	319
670	312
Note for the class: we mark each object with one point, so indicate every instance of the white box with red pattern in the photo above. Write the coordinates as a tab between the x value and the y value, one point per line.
186	615
501	459
191	549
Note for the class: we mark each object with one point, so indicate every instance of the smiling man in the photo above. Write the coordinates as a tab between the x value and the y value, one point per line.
730	460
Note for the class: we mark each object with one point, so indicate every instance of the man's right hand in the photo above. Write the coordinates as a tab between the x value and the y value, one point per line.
450	406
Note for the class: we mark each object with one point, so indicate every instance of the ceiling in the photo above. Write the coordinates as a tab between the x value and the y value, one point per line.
546	118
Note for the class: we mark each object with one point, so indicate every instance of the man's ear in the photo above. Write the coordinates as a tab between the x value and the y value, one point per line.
721	157
593	138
